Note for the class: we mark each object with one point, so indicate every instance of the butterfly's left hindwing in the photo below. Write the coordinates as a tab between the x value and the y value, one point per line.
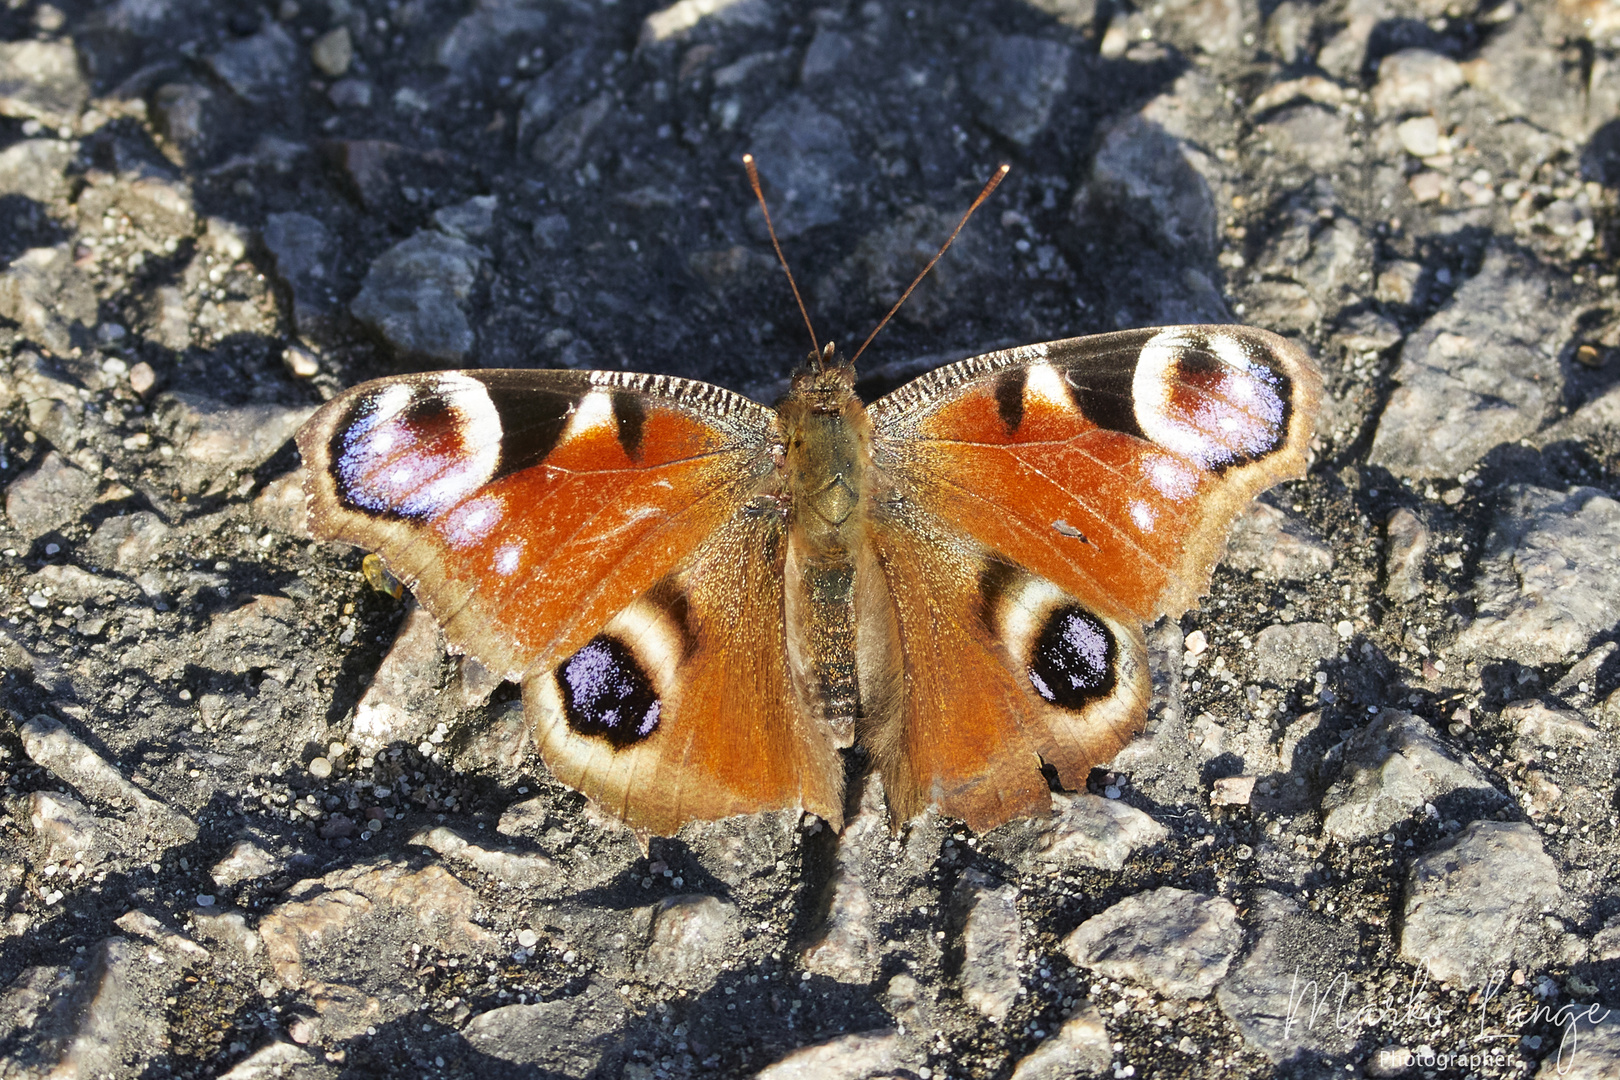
976	673
580	531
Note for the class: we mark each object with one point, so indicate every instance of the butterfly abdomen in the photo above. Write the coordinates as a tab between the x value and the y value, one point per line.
826	461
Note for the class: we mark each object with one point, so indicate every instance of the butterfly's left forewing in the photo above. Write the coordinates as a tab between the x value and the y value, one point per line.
1111	465
1037	507
594	534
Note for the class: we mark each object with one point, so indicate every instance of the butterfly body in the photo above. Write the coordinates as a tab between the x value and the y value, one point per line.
704	598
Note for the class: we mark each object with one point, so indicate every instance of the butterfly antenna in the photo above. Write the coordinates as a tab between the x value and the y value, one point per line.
753	181
1000	175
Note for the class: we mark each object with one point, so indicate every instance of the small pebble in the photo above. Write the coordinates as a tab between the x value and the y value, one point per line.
142	378
320	768
301	363
527	938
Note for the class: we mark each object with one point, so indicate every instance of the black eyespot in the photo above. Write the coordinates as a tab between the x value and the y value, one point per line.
1073	660
606	694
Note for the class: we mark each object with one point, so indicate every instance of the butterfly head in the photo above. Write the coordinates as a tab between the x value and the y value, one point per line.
825	382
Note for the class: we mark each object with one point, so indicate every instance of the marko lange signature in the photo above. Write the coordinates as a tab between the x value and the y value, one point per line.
1417	1008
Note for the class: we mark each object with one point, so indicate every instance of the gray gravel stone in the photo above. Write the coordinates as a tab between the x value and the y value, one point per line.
1480	372
34	168
414	293
1407	538
68	584
1017	81
888	259
127	541
1585	1048
1277	544
184	112
52	493
1145	173
1550	571
1473	903
158	203
41	80
688	937
1597	417
808	164
251	634
1089	830
278	1060
564	1037
1525	79
1309	134
519	869
57	749
475	36
34	998
1541	728
218	438
260	68
859	1056
1079	1047
1179	943
825	55
1415	81
176	948
350	93
988	911
384	902
332	52
400	704
1579	686
675	22
470	220
1392	767
565	145
49	296
500	743
110	1012
1286	995
228	928
245	861
304	255
845	947
546	98
67	828
1287	652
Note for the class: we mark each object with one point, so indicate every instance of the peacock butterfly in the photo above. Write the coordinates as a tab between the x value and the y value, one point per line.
705	599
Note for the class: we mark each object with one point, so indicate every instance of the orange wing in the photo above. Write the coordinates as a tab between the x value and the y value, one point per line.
1112	465
976	673
565	527
1039	505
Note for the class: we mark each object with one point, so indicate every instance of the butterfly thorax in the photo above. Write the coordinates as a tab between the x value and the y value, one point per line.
826	439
